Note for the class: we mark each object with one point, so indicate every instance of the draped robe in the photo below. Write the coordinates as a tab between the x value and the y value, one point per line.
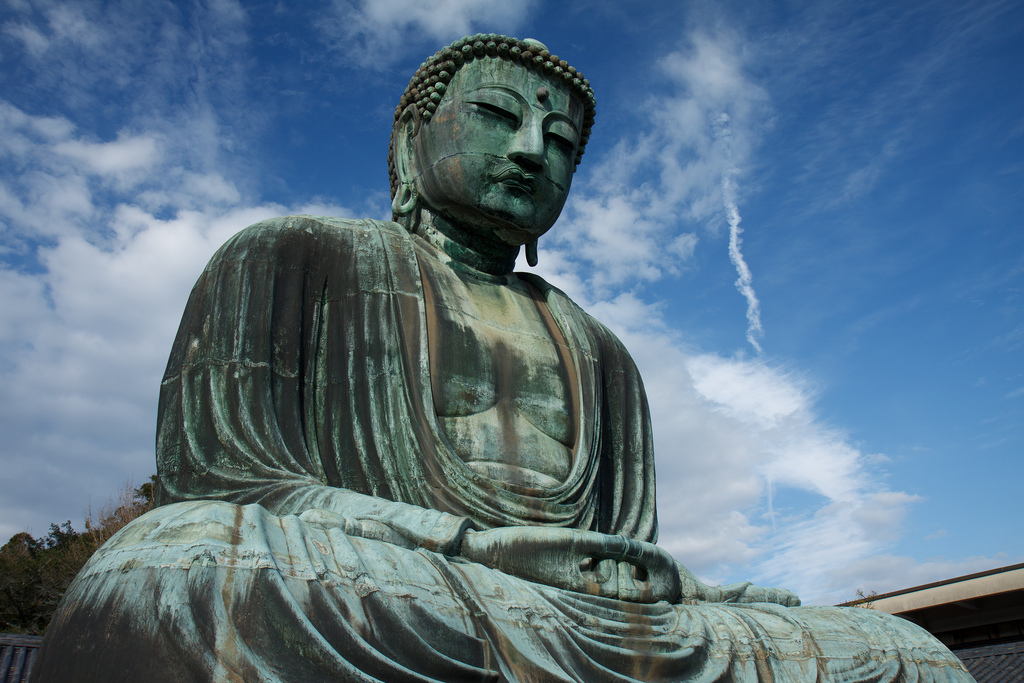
296	408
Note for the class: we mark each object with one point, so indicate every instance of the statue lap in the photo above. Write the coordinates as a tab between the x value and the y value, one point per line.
208	590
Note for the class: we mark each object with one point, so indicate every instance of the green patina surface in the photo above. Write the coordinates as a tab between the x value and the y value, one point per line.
385	456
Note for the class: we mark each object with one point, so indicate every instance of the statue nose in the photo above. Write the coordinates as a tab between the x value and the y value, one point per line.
527	149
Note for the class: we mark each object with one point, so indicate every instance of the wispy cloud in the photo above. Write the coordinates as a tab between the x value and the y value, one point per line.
715	76
637	218
376	32
753	484
745	279
124	154
901	62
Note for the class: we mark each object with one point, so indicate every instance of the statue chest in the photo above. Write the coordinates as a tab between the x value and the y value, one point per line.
499	377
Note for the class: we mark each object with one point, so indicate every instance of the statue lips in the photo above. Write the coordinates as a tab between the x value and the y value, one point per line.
513	177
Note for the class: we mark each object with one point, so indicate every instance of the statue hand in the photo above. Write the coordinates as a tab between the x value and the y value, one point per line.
361	527
747	592
579	561
696	591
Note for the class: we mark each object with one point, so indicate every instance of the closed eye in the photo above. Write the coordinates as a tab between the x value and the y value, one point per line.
498	111
560	140
561	132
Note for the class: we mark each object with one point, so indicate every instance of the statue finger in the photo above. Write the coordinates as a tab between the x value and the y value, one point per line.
786	598
352	527
655	559
639	583
375	530
733	592
598	577
634	583
620	549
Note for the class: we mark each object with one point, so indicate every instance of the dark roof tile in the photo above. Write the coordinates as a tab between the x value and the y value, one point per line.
994	663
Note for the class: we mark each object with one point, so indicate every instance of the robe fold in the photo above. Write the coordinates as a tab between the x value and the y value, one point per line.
296	409
300	376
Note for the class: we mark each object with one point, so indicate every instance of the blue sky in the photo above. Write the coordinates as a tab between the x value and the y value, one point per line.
850	415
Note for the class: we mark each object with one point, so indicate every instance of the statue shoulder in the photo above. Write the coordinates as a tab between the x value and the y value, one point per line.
303	229
309	242
365	255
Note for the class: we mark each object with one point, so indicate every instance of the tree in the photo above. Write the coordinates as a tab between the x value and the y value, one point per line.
34	573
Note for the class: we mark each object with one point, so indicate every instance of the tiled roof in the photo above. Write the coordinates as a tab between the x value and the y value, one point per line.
994	663
17	654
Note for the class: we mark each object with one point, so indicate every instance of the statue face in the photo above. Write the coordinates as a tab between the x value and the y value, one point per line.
498	155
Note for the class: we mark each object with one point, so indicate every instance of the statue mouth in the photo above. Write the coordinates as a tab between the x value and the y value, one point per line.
514	178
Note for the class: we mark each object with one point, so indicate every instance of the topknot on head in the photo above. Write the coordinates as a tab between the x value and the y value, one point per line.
431	80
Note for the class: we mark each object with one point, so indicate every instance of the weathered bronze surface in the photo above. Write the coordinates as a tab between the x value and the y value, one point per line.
384	456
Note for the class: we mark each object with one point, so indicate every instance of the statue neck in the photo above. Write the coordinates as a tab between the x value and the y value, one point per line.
466	249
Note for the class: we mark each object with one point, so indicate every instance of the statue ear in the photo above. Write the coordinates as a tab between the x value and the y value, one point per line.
406	128
406	199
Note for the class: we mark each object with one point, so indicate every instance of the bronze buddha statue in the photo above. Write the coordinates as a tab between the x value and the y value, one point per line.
385	456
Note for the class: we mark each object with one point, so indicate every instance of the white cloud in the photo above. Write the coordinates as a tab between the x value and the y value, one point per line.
68	22
93	332
751	392
63	25
82	371
103	235
35	42
636	217
23	131
125	153
734	439
714	75
374	31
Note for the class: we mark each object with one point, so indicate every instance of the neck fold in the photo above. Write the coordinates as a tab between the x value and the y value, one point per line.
465	249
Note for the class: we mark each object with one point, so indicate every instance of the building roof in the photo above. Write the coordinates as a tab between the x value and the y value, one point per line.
994	663
961	588
17	655
985	608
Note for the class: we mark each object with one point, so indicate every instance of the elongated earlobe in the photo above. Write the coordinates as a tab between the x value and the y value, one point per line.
531	253
406	198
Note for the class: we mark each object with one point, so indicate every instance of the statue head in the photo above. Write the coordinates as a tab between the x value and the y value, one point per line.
487	137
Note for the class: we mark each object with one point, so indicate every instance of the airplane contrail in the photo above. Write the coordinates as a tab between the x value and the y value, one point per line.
744	281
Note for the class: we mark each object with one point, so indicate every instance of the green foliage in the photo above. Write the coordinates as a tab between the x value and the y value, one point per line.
35	572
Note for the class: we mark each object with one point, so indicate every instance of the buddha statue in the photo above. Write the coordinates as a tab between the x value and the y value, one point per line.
385	456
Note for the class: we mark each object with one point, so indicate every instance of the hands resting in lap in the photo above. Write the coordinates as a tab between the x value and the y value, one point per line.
598	564
580	561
